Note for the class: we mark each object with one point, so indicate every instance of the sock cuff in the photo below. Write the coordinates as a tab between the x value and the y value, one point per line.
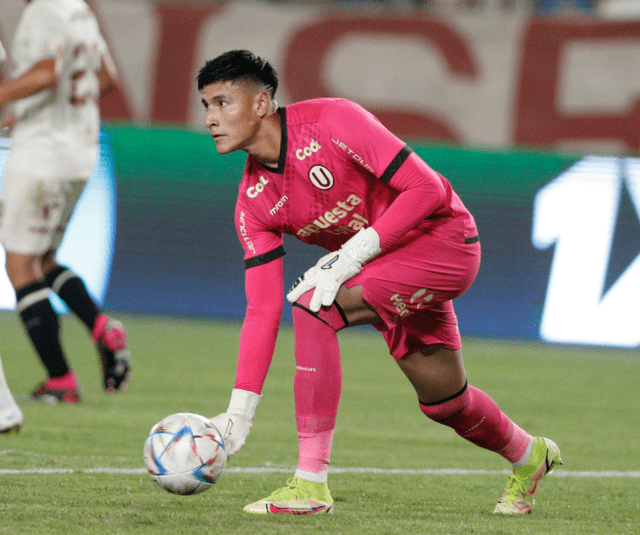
57	277
447	407
31	294
332	315
315	477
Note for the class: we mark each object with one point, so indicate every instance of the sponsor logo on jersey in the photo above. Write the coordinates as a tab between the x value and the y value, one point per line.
278	205
342	219
254	191
307	151
321	177
417	300
353	154
243	233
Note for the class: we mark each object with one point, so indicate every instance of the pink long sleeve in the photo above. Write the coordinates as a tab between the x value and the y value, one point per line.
424	193
265	297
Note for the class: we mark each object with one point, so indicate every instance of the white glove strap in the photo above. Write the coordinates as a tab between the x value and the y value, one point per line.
243	403
363	246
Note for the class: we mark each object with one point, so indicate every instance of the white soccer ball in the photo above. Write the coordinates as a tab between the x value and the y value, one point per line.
185	453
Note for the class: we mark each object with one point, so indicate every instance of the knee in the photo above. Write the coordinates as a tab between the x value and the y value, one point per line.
22	269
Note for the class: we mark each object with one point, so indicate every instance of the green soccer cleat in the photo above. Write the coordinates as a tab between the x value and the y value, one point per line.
517	498
299	497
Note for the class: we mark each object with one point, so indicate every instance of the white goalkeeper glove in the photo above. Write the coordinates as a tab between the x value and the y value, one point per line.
334	269
235	424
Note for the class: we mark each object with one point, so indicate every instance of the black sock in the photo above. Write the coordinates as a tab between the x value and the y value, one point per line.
73	292
43	326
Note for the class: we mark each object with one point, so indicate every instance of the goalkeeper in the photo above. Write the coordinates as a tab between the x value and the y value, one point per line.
401	247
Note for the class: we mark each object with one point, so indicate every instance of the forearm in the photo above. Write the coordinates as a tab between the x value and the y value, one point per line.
41	76
423	193
405	214
257	344
108	75
265	298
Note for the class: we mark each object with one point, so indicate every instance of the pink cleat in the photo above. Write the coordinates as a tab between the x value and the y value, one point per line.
56	390
111	340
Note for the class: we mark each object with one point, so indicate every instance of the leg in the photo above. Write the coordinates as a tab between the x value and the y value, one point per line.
40	321
70	288
34	214
108	334
317	388
318	380
437	374
438	377
10	414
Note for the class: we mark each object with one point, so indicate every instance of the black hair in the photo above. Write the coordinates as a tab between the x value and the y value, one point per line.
239	65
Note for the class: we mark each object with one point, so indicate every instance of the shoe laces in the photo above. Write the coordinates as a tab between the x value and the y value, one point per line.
515	489
284	492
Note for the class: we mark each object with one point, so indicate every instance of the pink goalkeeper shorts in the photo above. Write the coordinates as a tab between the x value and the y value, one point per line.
411	287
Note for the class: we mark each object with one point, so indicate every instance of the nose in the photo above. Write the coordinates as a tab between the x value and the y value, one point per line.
210	118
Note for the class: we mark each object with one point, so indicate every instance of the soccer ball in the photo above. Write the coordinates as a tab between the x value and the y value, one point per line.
185	453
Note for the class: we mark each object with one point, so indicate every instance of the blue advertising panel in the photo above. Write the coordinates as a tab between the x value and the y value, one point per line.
560	236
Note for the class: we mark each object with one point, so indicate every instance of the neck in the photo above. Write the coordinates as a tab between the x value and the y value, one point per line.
266	148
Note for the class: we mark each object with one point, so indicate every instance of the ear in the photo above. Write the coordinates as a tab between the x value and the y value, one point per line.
263	104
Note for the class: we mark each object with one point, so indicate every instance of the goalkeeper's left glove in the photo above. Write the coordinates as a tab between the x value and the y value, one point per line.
334	269
235	424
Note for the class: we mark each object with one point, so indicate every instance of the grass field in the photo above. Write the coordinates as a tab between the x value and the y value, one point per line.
79	469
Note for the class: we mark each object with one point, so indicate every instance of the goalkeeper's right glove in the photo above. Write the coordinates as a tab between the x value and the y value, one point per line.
235	424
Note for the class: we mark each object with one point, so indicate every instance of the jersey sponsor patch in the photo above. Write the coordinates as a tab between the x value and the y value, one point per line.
321	177
333	221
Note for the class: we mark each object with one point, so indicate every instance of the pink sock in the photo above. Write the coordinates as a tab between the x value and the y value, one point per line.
318	383
477	418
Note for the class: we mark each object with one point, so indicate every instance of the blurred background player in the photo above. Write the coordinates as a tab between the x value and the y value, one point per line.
10	414
61	67
329	173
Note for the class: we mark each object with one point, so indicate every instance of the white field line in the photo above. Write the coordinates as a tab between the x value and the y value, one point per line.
378	471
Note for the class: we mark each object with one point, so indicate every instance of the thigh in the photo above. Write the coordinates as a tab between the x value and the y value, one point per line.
413	285
34	212
435	372
70	194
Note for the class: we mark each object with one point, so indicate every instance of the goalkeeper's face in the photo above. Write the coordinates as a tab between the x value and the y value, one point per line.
233	112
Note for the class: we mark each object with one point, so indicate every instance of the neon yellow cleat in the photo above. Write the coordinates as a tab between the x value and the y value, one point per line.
517	498
299	497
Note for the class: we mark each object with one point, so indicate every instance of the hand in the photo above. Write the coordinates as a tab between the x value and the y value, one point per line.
235	424
8	121
234	430
331	272
334	269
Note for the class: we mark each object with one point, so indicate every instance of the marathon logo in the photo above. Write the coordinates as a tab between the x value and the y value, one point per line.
243	233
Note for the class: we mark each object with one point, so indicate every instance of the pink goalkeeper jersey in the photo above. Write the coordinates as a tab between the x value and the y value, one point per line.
340	170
